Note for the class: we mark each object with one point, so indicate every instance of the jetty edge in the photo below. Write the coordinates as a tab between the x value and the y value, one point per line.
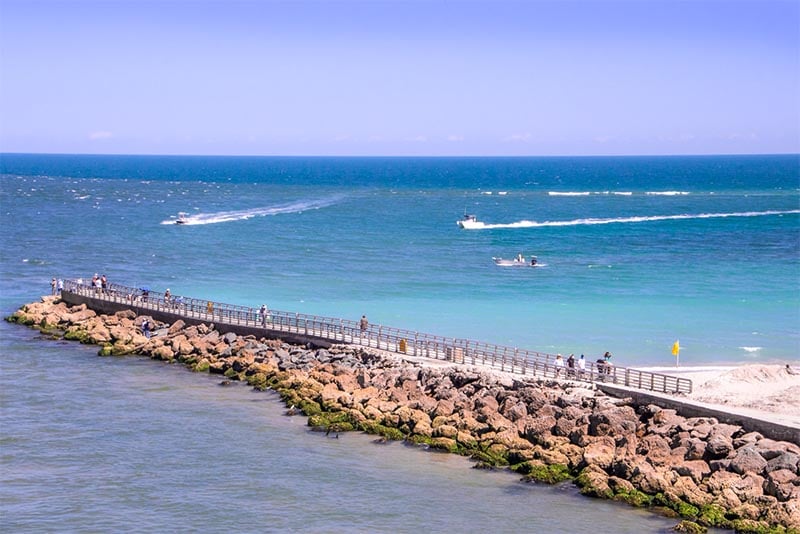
326	331
710	473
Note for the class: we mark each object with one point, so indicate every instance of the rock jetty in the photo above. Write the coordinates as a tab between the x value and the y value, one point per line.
707	473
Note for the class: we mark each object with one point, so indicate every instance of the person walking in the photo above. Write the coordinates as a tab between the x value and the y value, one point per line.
363	324
559	365
571	366
581	366
263	311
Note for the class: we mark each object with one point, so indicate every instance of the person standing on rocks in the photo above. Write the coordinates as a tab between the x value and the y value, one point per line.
146	328
53	286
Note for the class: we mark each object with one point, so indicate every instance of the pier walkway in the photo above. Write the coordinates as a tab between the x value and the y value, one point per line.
327	331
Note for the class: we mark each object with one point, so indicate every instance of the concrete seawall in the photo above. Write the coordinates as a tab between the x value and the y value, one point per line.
770	429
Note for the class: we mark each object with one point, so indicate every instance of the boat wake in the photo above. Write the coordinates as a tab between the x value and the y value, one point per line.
240	215
619	220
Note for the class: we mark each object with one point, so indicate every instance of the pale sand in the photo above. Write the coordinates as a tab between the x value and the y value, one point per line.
754	388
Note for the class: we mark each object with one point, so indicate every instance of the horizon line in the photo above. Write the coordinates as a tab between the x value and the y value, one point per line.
404	156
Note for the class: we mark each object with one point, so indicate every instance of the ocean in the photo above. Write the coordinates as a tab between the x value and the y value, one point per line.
634	253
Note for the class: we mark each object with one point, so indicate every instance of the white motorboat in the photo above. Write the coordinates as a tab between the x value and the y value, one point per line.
519	261
183	218
469	222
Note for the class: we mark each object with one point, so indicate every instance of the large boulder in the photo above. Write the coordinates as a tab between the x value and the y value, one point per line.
697	470
600	453
748	460
656	448
786	460
614	421
718	446
782	484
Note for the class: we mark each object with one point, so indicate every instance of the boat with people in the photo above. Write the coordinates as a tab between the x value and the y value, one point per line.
183	218
469	222
519	261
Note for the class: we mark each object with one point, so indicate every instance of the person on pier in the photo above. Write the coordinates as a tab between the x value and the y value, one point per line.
559	365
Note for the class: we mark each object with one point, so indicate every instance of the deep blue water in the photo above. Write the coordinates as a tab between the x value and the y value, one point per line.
638	252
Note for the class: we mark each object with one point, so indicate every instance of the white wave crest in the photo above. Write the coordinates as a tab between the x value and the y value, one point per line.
240	215
635	219
667	193
751	349
569	193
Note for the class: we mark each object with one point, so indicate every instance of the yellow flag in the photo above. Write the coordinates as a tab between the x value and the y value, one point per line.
676	348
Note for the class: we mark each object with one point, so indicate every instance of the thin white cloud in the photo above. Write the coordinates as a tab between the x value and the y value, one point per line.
418	139
100	135
518	137
455	138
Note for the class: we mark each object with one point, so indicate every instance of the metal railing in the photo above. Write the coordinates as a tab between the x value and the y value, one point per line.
396	340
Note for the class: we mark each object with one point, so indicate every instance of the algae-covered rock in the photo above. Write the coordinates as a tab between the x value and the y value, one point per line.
690	527
549	474
593	482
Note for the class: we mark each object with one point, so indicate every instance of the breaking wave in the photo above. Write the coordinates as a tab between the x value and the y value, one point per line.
240	215
635	219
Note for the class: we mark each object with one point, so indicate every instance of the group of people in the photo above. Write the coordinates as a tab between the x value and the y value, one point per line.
56	286
577	367
99	283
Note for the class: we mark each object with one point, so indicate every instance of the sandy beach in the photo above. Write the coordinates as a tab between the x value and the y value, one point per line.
758	390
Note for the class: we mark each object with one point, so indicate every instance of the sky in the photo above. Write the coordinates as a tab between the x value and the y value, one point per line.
410	78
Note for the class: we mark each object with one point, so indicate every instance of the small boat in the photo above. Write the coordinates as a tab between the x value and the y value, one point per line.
469	222
182	218
519	261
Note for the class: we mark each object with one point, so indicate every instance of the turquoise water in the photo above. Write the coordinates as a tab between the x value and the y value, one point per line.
638	252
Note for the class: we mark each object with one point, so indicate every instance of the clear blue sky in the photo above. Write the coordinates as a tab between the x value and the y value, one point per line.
400	78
